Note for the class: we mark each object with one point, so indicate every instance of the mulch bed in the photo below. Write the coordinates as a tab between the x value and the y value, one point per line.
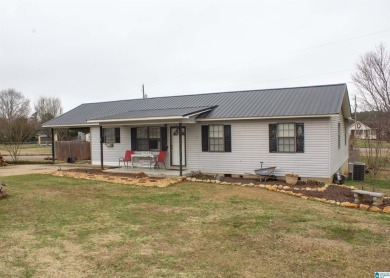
340	194
300	184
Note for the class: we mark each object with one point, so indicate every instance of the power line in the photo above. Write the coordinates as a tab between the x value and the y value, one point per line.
277	55
296	77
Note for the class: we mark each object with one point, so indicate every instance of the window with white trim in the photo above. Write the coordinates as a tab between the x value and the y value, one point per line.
111	135
216	138
148	138
286	138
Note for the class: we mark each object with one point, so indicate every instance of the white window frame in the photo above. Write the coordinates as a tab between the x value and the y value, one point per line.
293	137
109	136
220	145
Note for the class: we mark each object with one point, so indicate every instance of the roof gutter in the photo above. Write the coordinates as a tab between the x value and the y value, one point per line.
72	125
138	119
264	118
185	116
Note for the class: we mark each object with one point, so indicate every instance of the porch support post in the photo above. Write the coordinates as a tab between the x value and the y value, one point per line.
52	144
180	150
101	146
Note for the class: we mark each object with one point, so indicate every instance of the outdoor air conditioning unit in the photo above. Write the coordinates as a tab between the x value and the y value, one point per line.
356	171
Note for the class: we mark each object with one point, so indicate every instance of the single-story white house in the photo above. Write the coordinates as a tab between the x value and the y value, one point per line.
361	131
300	130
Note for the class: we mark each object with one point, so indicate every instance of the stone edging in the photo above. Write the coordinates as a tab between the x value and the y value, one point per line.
286	190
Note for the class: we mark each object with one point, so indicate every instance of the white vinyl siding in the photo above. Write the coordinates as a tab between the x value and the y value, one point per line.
112	154
338	156
250	146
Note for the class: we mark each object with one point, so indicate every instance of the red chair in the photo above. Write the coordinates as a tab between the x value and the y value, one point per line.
126	159
160	159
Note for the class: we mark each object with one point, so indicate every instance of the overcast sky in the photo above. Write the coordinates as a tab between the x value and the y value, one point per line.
90	51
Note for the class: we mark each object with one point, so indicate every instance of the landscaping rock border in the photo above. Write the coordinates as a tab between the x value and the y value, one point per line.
290	191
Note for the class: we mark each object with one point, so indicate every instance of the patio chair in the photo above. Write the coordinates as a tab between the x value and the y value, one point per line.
126	159
160	159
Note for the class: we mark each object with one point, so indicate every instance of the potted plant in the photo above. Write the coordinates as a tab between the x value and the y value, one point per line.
292	178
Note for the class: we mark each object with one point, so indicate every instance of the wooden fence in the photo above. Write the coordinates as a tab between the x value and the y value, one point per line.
72	150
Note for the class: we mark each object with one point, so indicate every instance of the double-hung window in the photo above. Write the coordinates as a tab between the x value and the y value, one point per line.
216	138
111	135
142	139
148	139
286	138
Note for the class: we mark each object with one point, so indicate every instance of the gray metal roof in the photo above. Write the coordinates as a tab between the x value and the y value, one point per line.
299	101
179	112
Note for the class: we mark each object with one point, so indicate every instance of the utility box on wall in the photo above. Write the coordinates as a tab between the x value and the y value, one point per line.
356	171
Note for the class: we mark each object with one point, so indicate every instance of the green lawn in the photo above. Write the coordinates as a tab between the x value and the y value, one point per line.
360	143
29	149
382	183
63	227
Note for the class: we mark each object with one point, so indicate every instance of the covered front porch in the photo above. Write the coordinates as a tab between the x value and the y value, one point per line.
148	135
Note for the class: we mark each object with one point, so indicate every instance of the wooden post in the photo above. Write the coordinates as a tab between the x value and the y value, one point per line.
101	147
180	150
52	144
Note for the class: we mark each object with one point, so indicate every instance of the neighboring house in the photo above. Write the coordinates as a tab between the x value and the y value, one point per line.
43	139
359	130
300	130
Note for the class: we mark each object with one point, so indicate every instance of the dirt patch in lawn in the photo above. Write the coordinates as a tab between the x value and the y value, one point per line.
123	178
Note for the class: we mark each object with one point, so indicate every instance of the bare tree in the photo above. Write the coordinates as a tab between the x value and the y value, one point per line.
372	80
13	105
15	125
15	132
47	108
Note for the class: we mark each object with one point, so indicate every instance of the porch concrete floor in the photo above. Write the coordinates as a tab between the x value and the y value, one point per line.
150	172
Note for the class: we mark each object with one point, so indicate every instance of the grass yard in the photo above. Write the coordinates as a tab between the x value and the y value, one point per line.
382	183
360	143
63	227
29	149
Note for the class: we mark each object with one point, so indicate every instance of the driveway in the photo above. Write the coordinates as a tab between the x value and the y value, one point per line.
14	170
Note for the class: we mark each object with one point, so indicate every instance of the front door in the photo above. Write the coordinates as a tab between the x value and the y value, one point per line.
175	151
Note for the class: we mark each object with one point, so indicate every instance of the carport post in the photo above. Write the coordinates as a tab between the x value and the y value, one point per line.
52	144
101	147
180	150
